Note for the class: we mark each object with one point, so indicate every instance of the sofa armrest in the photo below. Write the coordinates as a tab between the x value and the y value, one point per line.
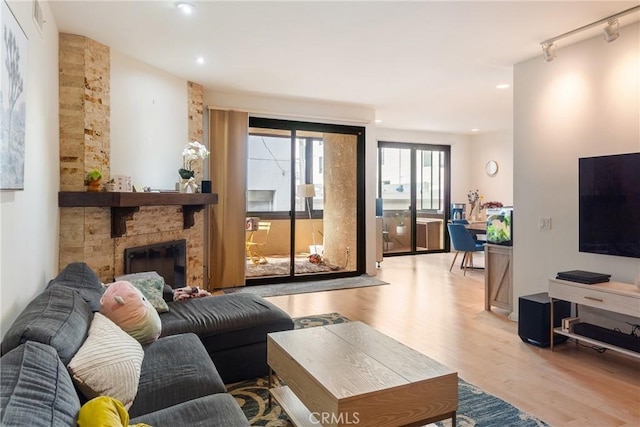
174	370
167	293
36	389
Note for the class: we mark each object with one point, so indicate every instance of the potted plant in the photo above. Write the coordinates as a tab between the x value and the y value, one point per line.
94	178
194	151
401	222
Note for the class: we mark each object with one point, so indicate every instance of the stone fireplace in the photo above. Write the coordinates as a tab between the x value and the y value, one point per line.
168	259
86	232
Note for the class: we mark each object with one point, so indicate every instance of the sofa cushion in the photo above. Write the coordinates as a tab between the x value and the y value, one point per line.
108	363
233	329
36	388
151	284
215	410
79	277
175	369
58	317
226	321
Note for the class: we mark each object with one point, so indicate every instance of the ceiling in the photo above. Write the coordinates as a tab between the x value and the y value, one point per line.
422	65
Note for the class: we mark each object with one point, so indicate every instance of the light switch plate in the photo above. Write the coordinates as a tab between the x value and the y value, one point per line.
545	223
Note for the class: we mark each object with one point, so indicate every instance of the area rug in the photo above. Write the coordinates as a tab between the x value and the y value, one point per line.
309	286
280	267
475	407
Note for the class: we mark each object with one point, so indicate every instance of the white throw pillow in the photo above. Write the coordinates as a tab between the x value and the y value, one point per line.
108	363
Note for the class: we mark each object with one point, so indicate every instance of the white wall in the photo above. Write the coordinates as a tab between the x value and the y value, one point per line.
585	103
496	146
318	112
147	134
29	218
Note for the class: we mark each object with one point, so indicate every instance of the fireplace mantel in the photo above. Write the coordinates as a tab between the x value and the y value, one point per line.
124	205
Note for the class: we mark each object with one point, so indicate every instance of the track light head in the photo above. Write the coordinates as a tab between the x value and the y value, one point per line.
611	31
548	51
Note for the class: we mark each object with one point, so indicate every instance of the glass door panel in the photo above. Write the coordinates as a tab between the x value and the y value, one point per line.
429	225
326	204
395	175
268	226
340	160
308	249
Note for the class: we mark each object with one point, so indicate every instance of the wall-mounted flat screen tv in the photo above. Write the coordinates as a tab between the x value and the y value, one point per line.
609	206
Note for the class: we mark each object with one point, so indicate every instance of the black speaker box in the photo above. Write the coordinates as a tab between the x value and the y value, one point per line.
534	318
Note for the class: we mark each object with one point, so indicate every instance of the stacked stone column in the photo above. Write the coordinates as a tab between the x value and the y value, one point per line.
85	233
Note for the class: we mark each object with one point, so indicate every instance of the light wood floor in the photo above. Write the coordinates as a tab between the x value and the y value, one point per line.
441	314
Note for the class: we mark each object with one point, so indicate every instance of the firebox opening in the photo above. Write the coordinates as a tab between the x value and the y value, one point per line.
168	259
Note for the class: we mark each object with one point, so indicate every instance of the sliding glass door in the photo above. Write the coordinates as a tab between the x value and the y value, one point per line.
413	183
304	195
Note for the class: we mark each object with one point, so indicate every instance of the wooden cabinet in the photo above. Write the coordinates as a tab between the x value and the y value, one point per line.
616	297
498	277
428	234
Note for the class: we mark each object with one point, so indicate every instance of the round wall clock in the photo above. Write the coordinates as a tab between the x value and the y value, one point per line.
492	168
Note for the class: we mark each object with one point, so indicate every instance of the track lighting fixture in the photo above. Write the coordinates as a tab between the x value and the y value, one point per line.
548	51
611	32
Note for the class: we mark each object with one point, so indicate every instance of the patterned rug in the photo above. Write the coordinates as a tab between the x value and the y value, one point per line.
475	407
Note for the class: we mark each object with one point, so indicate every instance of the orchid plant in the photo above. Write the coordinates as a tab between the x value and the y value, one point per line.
192	152
473	197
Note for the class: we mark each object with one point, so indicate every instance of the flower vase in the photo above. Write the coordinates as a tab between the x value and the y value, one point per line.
188	186
182	186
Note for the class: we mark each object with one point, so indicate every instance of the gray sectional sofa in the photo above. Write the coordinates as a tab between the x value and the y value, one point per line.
205	343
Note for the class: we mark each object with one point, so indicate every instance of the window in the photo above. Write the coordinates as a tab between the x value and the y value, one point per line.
269	171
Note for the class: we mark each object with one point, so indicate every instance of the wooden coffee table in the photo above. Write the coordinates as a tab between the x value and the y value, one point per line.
351	374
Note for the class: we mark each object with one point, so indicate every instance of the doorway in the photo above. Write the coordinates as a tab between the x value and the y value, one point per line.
414	188
305	192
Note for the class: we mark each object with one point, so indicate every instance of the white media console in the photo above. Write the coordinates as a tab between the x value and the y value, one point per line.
616	297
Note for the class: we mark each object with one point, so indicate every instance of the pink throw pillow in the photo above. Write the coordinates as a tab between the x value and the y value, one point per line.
125	305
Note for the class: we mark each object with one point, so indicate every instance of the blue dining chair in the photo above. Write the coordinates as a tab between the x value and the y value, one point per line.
462	241
473	234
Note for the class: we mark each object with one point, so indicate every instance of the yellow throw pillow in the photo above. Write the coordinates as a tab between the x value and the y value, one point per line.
104	411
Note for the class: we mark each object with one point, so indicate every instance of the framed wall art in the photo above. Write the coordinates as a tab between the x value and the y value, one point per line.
13	75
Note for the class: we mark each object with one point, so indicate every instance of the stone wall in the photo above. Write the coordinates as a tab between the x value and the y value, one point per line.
85	233
340	199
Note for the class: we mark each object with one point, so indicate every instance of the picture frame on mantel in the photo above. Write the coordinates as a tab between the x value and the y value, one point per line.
13	75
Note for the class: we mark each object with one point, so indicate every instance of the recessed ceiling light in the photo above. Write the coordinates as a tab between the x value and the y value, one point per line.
503	86
186	7
475	130
200	60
